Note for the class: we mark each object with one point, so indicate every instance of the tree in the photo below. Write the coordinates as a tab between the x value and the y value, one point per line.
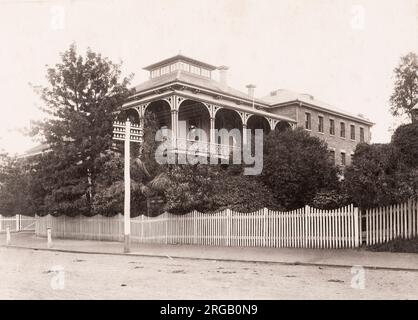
147	178
208	188
190	187
374	177
405	140
14	186
405	93
80	102
296	167
384	174
243	194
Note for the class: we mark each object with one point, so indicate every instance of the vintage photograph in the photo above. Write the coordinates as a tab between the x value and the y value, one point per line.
228	150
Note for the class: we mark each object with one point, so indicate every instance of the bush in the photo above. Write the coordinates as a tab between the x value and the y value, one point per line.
329	200
296	167
405	141
208	188
376	176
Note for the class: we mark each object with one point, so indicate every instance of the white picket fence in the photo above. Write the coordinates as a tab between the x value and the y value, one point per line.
384	224
304	228
17	223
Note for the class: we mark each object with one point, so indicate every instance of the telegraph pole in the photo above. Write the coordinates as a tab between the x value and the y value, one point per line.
127	178
128	133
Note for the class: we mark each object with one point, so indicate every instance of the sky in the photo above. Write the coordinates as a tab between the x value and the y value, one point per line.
341	51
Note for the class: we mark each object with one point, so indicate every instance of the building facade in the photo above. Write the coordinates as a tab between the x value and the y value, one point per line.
183	90
182	94
341	130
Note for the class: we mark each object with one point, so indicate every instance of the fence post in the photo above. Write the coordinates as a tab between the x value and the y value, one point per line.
49	238
265	210
17	222
194	227
228	227
409	224
8	236
305	227
357	232
166	227
141	239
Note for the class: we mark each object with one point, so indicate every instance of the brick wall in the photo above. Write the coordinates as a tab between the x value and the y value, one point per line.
335	142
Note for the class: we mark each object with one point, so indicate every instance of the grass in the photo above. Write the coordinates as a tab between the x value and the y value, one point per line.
398	245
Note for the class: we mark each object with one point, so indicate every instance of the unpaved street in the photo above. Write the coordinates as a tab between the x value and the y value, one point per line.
29	274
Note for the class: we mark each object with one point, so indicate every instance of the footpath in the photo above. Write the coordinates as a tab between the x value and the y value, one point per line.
344	258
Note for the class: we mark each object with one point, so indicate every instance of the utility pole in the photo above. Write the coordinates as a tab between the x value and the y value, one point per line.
128	133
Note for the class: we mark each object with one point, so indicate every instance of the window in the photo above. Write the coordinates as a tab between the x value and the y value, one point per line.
165	70
331	127
195	70
155	73
361	135
352	132
343	160
307	121
332	155
320	123
184	66
342	130
205	73
173	67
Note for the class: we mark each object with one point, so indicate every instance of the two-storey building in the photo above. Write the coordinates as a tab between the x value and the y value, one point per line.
341	130
184	89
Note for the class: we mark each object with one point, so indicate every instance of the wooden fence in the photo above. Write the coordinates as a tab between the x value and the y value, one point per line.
17	223
384	224
304	228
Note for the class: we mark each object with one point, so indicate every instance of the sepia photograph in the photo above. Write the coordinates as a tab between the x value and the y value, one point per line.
209	154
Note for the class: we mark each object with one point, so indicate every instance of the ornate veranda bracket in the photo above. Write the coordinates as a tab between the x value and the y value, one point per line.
141	109
175	102
211	108
273	123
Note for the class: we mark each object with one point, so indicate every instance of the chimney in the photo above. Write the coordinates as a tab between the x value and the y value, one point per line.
223	73
251	88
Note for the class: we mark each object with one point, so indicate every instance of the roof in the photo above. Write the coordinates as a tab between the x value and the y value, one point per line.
195	80
282	96
180	57
415	107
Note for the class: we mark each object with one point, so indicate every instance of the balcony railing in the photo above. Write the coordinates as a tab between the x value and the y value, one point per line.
204	148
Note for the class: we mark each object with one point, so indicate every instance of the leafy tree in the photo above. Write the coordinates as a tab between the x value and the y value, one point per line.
147	179
190	187
296	167
405	94
243	194
208	188
374	177
405	140
14	186
80	101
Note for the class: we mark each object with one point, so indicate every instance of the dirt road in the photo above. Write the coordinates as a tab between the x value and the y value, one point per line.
33	274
